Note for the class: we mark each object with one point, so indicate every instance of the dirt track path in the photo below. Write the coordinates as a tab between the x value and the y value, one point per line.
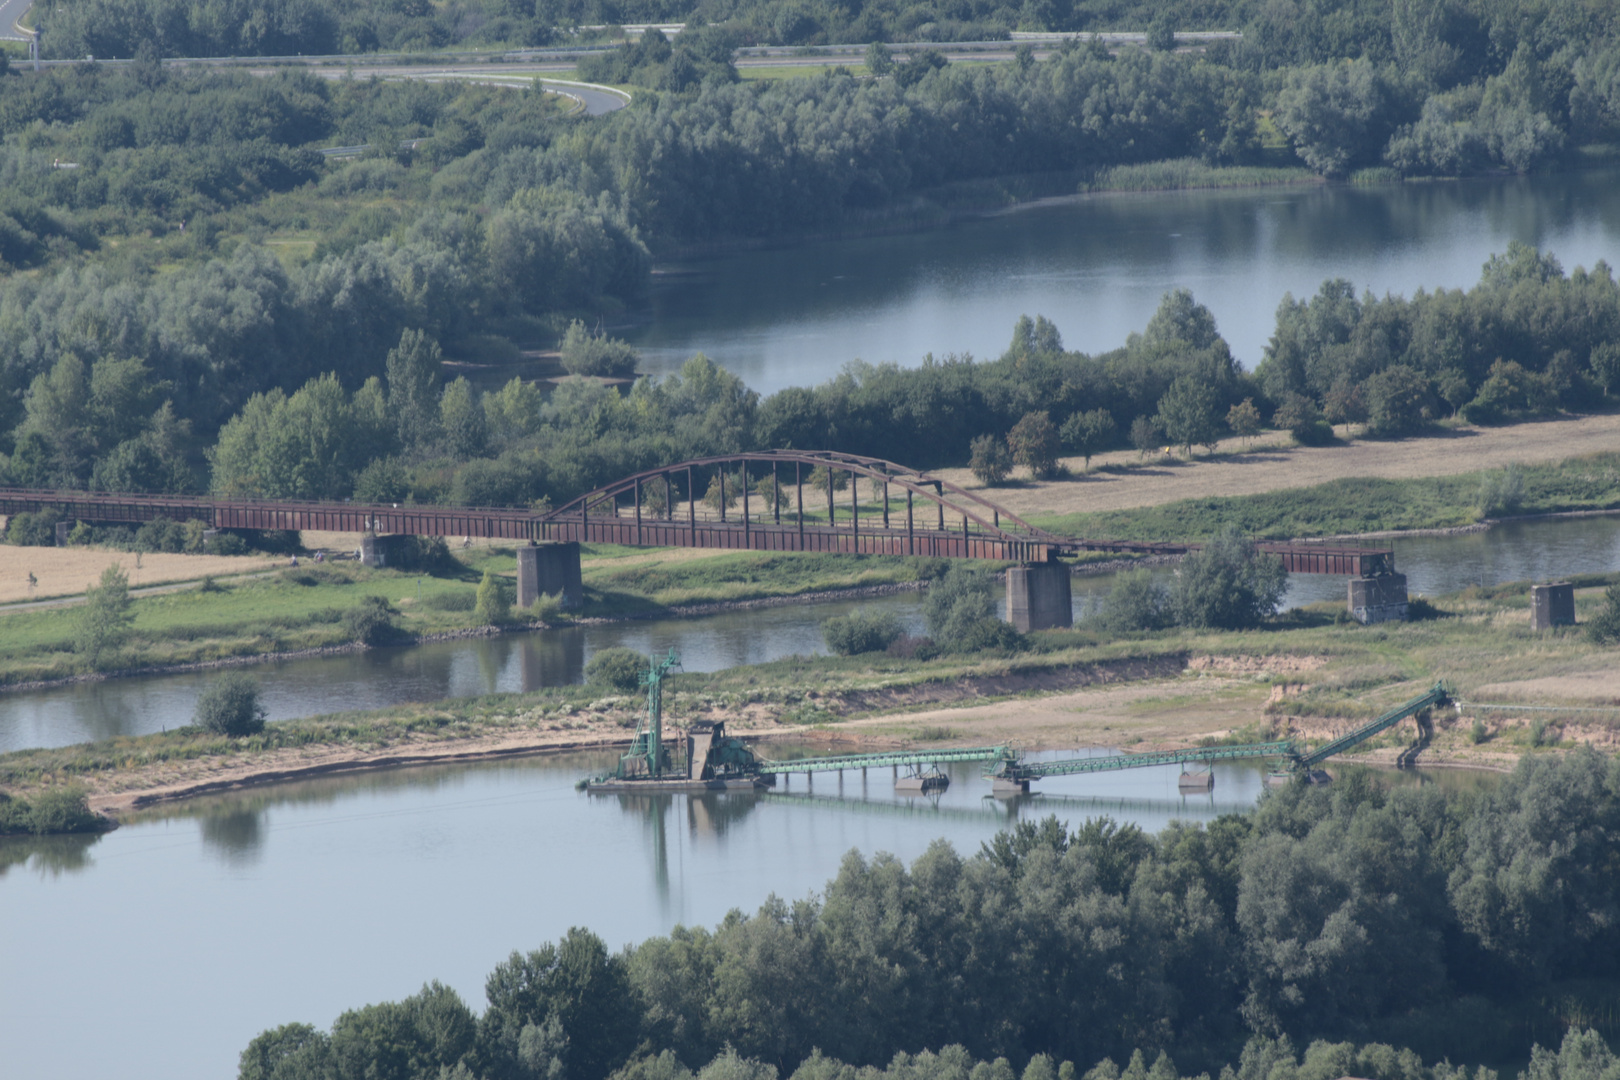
1273	466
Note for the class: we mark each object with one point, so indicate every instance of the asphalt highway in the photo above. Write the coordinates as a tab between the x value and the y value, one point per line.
10	12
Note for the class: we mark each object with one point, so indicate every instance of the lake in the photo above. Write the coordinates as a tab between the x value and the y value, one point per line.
1097	267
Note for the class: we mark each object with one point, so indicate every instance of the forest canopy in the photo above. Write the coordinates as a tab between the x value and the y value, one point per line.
185	274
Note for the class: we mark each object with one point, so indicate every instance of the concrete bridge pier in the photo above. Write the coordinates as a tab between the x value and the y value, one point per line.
1378	599
1038	596
380	550
550	569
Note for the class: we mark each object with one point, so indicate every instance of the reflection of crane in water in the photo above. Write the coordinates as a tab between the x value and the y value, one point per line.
706	815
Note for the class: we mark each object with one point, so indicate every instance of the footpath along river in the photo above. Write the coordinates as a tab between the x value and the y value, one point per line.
376	678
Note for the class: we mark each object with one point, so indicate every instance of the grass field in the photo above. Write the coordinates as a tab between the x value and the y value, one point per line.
69	571
298	609
1121	480
1358	505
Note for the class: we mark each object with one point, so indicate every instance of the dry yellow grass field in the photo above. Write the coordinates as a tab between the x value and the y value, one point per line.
69	571
1272	465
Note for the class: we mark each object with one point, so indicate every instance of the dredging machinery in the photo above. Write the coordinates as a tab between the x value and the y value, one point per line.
705	758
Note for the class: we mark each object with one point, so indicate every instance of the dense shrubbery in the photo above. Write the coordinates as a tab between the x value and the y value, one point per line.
861	632
960	612
616	669
371	621
63	809
1346	912
1226	585
230	706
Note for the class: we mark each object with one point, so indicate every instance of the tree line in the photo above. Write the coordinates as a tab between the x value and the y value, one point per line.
1527	340
1405	917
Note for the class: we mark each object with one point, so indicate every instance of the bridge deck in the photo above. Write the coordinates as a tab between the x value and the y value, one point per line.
873	529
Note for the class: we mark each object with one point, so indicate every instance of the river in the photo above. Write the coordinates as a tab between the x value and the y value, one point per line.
159	950
1514	551
1097	267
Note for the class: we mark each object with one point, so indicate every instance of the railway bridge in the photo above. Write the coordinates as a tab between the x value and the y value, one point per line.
771	500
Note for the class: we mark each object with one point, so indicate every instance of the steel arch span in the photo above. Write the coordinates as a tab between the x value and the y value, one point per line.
800	500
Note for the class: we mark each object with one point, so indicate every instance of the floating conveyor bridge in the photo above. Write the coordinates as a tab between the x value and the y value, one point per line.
1016	774
907	759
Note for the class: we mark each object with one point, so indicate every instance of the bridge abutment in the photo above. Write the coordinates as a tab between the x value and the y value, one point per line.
380	550
549	569
1552	605
1038	596
1378	599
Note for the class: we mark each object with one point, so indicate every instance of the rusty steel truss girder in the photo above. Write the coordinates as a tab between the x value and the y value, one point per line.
937	518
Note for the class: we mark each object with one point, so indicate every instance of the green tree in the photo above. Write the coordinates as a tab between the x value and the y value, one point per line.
371	621
1337	114
230	706
307	446
1243	419
1033	442
1604	627
414	367
105	619
960	611
1299	416
861	632
462	419
584	353
1399	401
1187	413
1089	433
879	61
492	605
617	669
580	983
1605	363
1228	584
1146	435
1136	602
990	461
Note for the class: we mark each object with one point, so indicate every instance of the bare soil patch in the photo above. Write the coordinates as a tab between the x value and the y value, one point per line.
1136	717
70	571
1272	466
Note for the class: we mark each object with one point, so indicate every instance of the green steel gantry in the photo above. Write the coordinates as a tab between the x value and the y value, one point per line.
910	759
1301	761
